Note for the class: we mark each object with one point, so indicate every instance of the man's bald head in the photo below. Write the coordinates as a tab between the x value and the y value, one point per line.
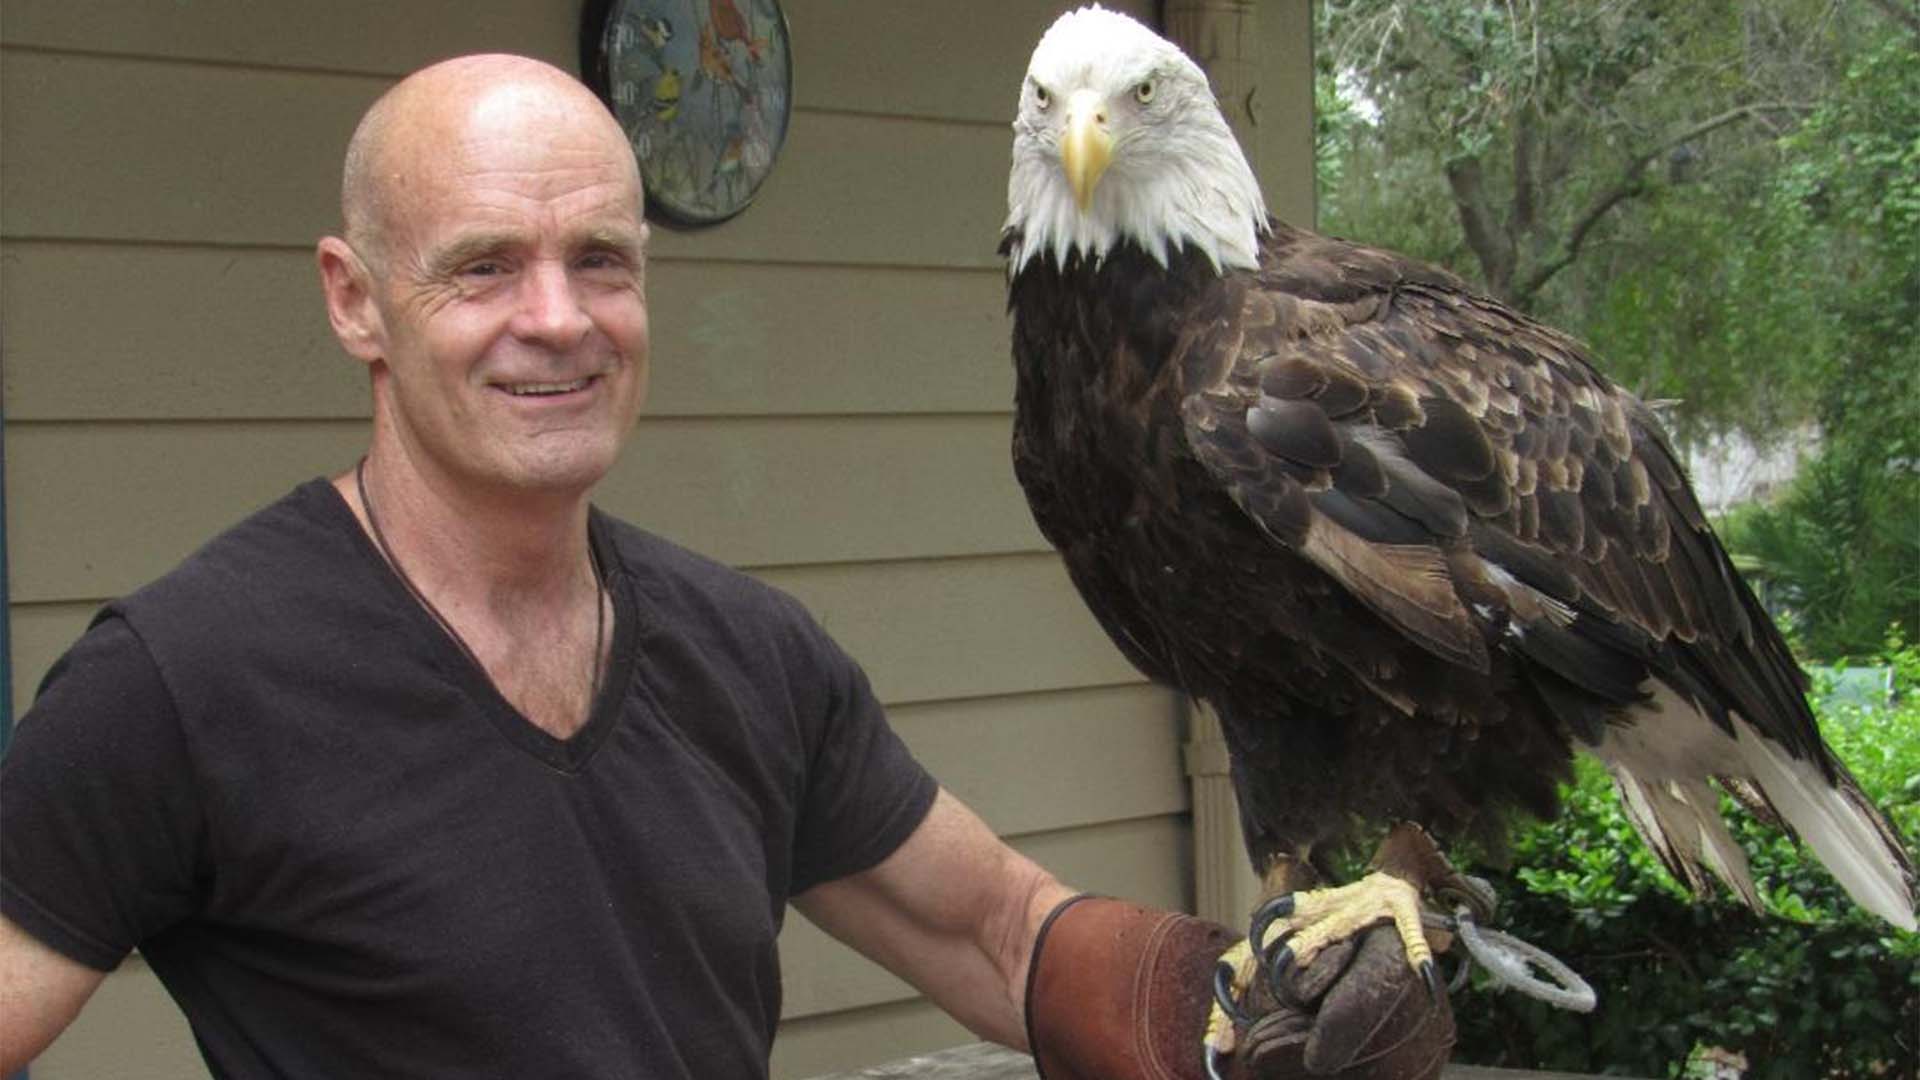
428	116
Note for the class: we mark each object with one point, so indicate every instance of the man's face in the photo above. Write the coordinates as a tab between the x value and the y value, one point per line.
511	297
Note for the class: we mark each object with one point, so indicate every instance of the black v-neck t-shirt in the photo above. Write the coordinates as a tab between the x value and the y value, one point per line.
345	854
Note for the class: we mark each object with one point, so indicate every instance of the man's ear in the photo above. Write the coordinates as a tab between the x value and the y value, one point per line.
348	284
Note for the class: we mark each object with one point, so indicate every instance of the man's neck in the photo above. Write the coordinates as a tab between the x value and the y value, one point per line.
473	550
508	575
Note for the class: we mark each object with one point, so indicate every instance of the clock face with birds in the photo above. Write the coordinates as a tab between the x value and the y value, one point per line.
703	89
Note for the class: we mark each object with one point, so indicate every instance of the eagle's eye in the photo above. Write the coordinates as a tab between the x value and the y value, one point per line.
1041	99
1143	93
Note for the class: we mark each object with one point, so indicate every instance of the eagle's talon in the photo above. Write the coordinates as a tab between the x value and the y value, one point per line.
1430	975
1223	975
1215	1059
1276	966
1264	916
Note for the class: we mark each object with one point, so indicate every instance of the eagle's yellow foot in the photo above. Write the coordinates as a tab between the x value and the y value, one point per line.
1297	925
1295	928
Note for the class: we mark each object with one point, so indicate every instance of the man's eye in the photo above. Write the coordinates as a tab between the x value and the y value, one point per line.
606	261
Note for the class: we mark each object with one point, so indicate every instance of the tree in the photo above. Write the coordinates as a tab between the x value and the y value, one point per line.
1845	541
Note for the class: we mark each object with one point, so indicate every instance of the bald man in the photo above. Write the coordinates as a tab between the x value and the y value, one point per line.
430	768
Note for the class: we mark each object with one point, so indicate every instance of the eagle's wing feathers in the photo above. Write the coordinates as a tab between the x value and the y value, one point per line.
1467	475
1277	454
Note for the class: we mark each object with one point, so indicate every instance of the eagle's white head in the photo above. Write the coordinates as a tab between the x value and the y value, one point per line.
1119	138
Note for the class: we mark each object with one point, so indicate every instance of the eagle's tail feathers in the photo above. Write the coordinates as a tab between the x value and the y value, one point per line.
1660	760
1681	823
1839	822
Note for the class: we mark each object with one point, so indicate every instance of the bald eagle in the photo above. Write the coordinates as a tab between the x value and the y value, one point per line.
1411	545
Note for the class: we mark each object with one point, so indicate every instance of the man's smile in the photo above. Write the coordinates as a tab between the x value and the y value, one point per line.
547	389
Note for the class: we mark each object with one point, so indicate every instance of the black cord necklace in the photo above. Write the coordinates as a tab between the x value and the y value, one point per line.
599	593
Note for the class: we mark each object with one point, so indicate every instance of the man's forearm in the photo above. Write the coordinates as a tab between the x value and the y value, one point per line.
954	911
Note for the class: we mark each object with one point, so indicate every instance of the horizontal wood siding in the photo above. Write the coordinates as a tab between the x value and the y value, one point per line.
829	408
860	189
926	61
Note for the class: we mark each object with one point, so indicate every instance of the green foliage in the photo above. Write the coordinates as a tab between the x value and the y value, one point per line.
1841	548
1817	988
1746	177
1844	542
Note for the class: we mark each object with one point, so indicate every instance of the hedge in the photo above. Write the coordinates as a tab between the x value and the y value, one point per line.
1817	988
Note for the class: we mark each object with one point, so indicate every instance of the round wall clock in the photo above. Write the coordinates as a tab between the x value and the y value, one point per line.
703	89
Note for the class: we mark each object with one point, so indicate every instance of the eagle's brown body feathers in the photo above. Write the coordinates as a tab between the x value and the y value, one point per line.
1407	542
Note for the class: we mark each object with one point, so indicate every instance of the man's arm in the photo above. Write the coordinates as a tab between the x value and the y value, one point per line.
1122	992
41	991
954	911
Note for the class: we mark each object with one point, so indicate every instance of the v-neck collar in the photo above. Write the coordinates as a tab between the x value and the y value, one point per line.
572	753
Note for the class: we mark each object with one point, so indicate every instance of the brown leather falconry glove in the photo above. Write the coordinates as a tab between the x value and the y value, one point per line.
1120	992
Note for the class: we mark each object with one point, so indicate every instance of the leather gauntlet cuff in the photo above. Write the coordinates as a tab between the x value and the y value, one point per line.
1121	992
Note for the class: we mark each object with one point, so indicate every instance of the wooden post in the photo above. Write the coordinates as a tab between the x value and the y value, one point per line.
1224	886
1259	56
1223	37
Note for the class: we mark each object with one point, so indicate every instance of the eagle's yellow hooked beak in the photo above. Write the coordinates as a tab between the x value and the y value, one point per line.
1087	147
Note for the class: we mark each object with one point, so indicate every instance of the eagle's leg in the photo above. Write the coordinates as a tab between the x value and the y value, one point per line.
1299	921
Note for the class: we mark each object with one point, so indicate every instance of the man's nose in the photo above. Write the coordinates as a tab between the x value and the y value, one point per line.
550	309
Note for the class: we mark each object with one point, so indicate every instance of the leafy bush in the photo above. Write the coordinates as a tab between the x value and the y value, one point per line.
1841	547
1819	988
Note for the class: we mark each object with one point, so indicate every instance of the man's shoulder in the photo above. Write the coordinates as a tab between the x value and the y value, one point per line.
261	588
292	546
